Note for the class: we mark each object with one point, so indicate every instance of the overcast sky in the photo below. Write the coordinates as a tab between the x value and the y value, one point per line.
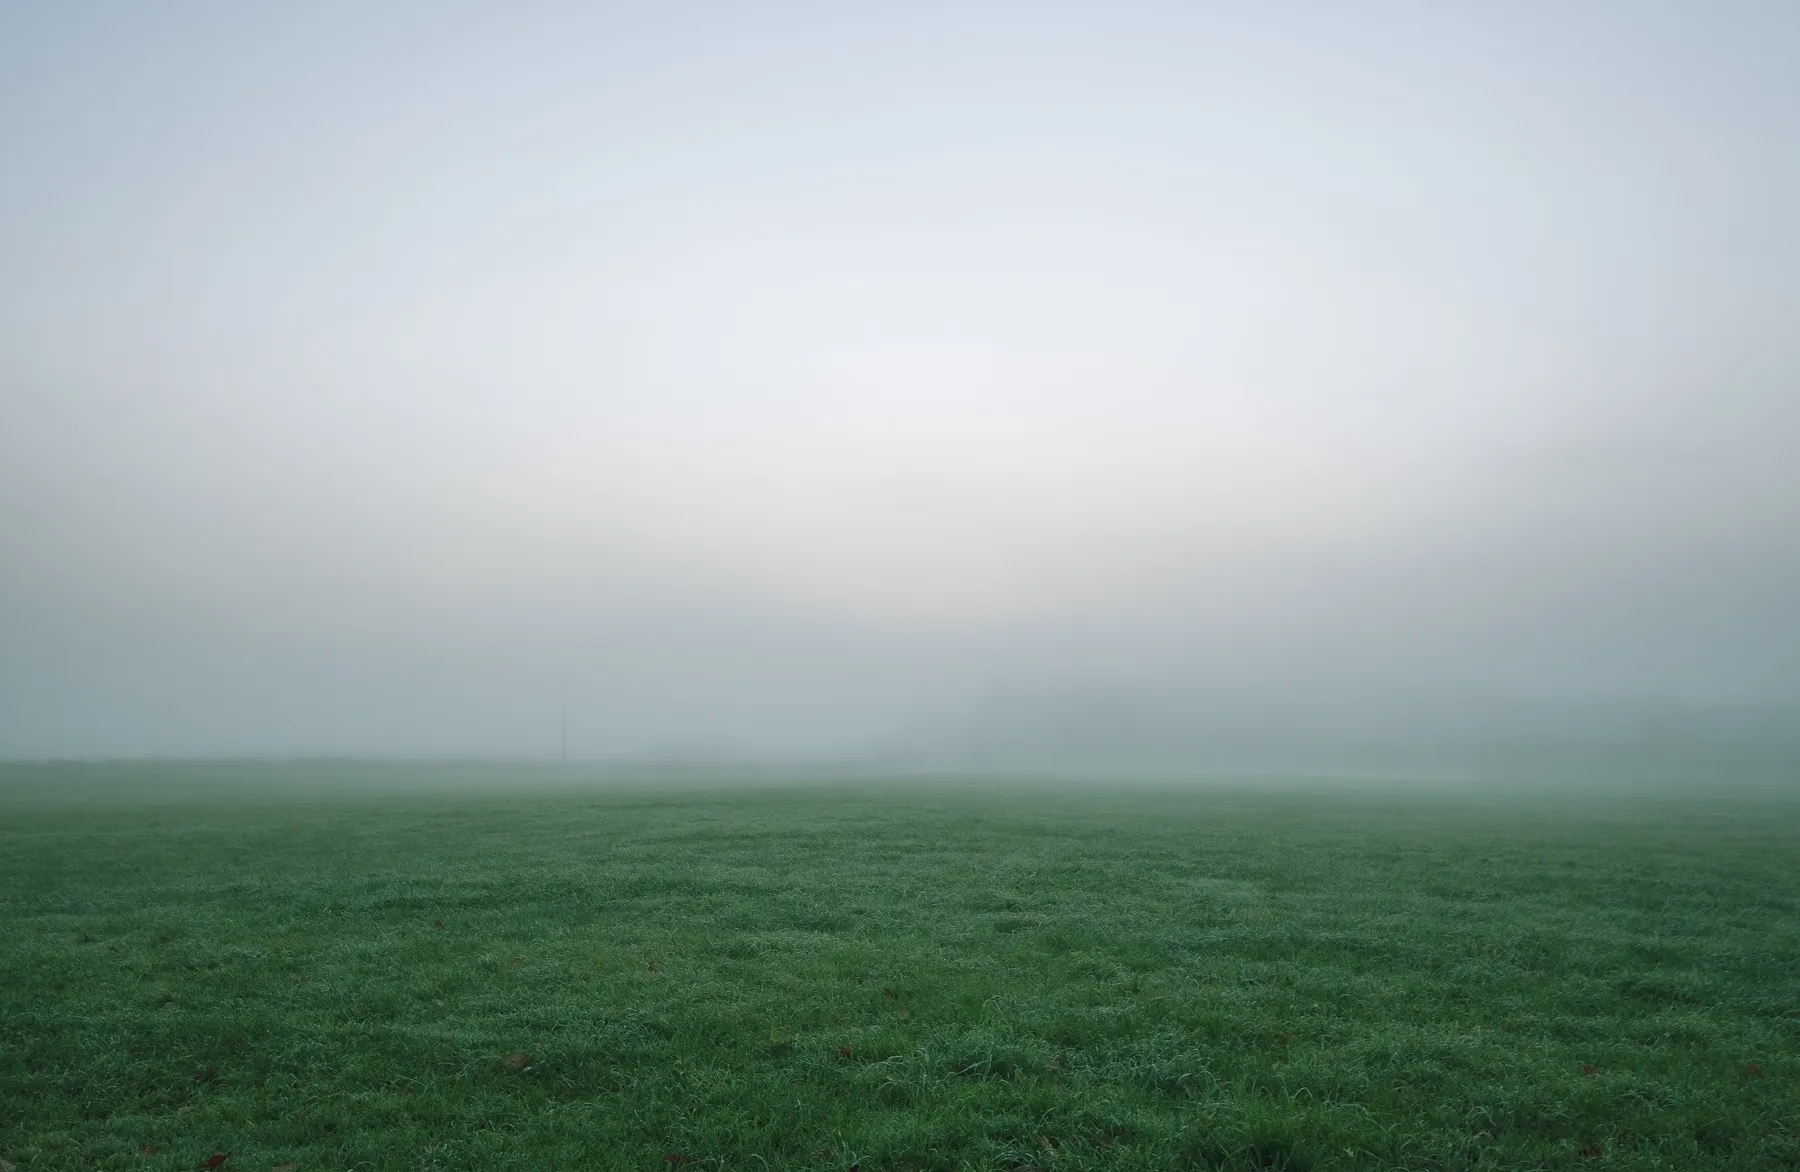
783	378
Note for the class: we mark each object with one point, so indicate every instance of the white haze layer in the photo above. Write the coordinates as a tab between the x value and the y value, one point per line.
795	379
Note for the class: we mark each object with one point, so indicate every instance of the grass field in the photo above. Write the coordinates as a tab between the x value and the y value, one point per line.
895	977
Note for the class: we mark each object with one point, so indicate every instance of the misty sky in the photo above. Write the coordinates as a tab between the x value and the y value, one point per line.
795	378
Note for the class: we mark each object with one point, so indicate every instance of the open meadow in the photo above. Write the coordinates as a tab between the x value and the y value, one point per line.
905	976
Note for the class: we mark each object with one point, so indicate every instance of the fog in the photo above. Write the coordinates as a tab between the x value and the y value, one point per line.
997	385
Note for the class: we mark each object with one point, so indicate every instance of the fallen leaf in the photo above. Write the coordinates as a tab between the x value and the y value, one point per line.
207	1075
1752	1069
518	960
676	1159
516	1061
1283	1039
1590	1070
1591	1153
905	1013
437	923
149	1149
214	1160
844	1050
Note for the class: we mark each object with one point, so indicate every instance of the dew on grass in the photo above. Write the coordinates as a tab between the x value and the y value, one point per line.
1129	1058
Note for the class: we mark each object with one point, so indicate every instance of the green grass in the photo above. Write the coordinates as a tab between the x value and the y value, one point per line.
897	977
